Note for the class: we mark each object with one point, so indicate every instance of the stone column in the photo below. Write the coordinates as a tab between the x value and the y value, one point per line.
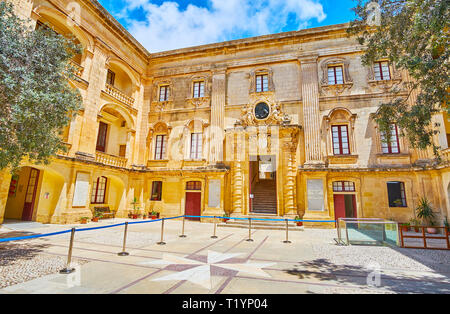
237	186
89	129
218	100
290	174
311	113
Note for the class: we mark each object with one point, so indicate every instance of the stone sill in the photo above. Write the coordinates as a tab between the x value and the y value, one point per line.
394	158
157	163
342	159
194	163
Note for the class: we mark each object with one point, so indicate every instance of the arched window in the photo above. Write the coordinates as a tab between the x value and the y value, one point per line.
193	186
99	191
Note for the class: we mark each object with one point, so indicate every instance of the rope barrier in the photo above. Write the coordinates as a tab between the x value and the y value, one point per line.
155	220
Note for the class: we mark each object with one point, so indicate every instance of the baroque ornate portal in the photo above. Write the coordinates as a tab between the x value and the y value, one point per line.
263	112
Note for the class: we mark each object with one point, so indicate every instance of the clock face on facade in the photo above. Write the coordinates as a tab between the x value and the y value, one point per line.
262	111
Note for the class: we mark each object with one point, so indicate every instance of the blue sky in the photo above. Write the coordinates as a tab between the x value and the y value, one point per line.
161	25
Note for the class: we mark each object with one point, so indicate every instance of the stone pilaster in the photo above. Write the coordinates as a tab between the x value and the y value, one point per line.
97	79
290	174
311	113
218	100
237	186
144	100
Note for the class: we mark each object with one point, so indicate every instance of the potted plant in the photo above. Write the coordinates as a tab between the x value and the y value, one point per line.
83	220
144	216
136	212
299	223
226	217
415	224
405	227
153	215
425	212
446	224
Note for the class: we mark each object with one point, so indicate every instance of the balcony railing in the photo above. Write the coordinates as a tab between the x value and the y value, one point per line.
78	69
110	160
119	95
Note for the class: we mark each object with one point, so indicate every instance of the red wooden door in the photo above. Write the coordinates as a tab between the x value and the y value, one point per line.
355	212
30	196
339	206
193	204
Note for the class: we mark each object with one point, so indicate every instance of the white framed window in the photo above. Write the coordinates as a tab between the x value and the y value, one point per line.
262	83
340	140
381	71
199	89
335	75
164	93
160	147
393	146
196	146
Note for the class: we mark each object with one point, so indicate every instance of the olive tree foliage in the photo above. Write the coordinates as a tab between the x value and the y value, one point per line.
414	36
36	99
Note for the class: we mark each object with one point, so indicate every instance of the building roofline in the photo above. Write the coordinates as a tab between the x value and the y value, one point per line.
252	40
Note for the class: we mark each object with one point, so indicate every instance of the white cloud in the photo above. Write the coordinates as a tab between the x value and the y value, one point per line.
168	27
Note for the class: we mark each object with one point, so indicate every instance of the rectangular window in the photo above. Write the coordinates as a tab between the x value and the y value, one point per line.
340	140
156	191
343	186
381	71
160	148
196	146
101	137
199	89
262	83
99	191
110	78
164	93
335	75
396	194
393	146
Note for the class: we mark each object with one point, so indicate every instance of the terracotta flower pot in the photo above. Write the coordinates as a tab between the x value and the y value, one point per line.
83	221
153	217
95	219
299	223
225	219
432	230
135	216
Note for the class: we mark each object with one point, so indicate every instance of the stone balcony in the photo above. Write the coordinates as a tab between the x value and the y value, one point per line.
446	155
111	160
78	69
118	95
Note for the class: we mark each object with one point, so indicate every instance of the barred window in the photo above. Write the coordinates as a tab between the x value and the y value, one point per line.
396	194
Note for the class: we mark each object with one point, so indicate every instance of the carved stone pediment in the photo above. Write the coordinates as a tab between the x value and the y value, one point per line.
275	116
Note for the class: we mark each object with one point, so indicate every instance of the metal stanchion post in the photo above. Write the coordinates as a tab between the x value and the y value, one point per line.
182	232
125	232
68	269
287	232
249	230
215	227
162	233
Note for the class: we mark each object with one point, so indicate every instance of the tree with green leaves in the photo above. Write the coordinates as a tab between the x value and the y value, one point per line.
36	99
414	36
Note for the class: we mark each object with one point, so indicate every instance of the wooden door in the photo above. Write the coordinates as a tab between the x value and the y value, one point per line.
101	138
193	205
30	196
339	206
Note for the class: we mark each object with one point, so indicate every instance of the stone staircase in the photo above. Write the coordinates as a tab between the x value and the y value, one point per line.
261	224
265	197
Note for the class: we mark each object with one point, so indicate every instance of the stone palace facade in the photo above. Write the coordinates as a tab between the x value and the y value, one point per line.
273	125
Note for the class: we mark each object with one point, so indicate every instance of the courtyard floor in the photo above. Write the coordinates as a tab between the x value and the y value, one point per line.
198	264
